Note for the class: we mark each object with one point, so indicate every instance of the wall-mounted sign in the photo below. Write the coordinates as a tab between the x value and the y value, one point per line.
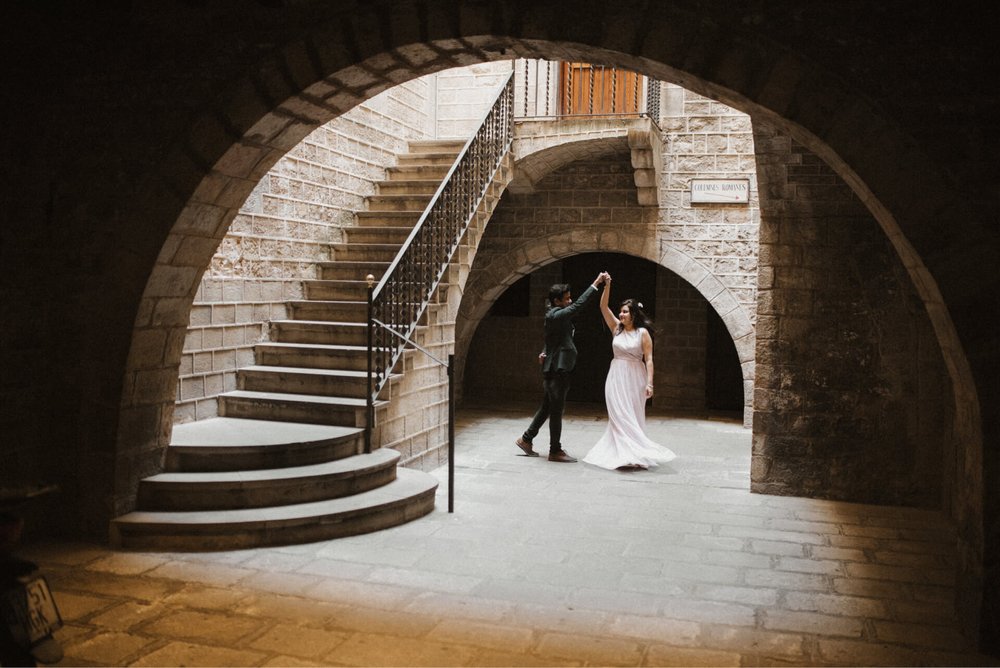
720	191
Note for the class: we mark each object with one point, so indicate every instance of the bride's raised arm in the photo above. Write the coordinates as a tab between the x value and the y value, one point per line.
609	317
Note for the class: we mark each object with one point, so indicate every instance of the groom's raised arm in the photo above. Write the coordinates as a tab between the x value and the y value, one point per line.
570	310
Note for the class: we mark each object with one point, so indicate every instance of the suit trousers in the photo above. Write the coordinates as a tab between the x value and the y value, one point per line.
556	385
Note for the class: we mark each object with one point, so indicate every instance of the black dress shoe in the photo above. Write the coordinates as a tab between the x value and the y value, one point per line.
525	447
561	456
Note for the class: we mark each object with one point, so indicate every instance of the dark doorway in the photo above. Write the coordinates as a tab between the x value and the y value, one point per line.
633	277
723	374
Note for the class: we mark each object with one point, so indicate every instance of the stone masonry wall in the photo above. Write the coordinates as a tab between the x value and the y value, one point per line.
706	139
587	194
680	351
504	347
852	399
282	230
462	96
298	209
701	139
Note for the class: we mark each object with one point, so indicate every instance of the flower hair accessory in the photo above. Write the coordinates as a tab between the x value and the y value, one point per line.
639	304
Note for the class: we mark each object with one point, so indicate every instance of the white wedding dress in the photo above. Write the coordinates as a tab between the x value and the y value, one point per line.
624	442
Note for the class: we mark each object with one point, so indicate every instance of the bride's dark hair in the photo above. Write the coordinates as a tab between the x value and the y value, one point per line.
639	317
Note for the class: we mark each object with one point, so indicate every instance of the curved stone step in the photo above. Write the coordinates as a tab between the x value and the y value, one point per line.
282	407
187	491
303	380
409	496
233	444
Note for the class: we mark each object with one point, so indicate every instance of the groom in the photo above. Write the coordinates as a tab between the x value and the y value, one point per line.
558	360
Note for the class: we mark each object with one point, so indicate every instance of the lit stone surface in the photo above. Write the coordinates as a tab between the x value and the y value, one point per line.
542	564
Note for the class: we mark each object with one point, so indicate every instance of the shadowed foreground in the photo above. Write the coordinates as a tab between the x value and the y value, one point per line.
545	564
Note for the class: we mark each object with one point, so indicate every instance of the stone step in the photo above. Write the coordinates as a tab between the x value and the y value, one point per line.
312	356
320	332
227	490
387	218
434	158
375	252
343	271
299	380
229	444
351	271
284	407
379	235
408	172
355	291
409	496
398	202
434	145
334	311
425	187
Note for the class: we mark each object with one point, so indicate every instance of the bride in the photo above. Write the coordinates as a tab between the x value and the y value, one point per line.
624	444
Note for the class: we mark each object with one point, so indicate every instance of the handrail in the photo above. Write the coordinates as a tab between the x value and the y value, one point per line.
399	300
450	368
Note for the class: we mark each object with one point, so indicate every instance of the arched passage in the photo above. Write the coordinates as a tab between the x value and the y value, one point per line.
500	363
179	212
488	282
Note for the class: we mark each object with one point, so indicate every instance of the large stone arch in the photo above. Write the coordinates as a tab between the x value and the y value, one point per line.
489	282
333	61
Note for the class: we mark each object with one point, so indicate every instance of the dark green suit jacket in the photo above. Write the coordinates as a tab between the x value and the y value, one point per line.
560	351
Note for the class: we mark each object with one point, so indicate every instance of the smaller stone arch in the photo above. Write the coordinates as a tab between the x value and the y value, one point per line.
490	281
542	147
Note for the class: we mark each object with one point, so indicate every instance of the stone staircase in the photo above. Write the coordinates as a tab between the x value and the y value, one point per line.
283	463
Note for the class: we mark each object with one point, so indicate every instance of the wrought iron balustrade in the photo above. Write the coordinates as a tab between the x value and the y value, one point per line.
399	300
559	89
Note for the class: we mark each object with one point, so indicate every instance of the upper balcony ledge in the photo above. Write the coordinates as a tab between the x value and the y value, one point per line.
543	145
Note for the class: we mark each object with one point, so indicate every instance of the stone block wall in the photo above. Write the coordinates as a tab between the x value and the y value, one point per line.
283	229
852	398
680	351
706	139
585	196
298	209
594	197
462	96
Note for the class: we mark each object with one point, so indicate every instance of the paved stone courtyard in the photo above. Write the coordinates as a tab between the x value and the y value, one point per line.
545	564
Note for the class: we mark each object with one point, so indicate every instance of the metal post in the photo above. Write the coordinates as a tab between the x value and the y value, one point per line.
451	433
369	400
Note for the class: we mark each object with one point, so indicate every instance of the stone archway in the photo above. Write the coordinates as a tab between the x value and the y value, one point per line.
489	282
230	160
313	77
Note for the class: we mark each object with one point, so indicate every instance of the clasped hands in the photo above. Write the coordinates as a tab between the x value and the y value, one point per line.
603	277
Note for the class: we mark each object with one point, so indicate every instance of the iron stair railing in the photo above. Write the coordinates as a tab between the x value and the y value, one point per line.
545	93
399	300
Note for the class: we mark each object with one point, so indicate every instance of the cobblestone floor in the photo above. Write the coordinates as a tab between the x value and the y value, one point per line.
545	564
